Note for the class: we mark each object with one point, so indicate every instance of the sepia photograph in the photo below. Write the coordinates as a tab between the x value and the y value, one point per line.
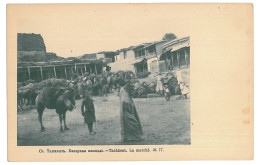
133	95
124	82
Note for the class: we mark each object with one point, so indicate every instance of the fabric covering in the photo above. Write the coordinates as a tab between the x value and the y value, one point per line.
131	129
184	89
179	76
159	85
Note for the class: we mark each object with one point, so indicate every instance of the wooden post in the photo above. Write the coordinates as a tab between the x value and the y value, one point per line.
166	62
172	58
158	65
186	58
72	73
178	58
41	72
54	71
90	70
81	71
29	73
95	68
66	73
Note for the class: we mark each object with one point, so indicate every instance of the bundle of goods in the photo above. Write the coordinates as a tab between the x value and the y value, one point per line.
86	74
152	87
134	80
143	74
173	85
120	73
29	82
28	93
141	91
53	88
55	83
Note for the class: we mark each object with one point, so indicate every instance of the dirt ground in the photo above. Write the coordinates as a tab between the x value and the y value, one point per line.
164	122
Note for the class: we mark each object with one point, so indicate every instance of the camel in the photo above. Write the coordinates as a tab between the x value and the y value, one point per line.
61	99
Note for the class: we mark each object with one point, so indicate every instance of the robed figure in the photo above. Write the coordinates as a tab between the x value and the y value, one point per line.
131	129
88	112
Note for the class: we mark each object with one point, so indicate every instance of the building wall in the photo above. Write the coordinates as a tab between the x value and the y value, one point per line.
117	58
150	62
130	55
117	66
121	55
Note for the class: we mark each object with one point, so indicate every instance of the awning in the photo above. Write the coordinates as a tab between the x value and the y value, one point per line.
180	46
132	62
176	47
137	61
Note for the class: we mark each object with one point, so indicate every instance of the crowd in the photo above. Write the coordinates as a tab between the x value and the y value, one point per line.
124	83
102	84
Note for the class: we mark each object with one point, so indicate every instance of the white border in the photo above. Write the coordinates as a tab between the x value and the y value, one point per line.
3	91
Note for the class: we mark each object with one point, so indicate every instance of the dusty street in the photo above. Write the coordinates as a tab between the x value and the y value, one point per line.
163	123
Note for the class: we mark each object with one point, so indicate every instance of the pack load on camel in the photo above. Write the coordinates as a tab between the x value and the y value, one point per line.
26	94
141	90
172	83
56	94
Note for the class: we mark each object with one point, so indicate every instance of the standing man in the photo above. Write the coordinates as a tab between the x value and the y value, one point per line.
89	112
159	85
179	76
131	128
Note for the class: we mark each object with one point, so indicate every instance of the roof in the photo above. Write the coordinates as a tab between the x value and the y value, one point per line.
176	44
133	47
132	62
103	52
55	63
137	61
187	44
140	45
155	42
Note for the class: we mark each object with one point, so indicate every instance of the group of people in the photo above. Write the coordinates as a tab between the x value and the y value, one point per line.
98	85
131	128
162	87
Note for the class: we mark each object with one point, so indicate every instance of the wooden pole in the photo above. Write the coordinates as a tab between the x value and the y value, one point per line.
29	73
172	58
66	73
54	71
41	72
186	58
95	68
72	73
166	61
178	58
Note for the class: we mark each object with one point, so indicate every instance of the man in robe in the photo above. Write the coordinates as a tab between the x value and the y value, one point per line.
159	85
131	128
88	112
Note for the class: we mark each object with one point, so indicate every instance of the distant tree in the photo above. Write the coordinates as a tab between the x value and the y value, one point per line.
169	36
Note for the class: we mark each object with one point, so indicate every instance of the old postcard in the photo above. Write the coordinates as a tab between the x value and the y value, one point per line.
98	82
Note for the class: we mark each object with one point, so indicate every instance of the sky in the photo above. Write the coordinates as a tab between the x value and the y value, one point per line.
71	32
